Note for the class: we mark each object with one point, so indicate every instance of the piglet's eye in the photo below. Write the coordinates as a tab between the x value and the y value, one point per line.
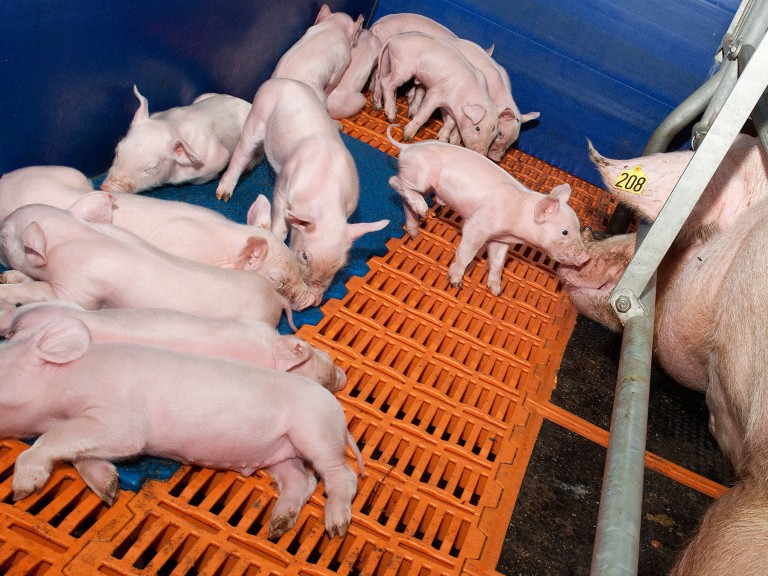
477	128
303	256
564	232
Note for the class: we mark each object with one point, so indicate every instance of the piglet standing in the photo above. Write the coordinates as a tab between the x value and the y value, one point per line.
500	90
347	98
121	400
183	144
391	24
452	85
321	56
317	186
496	209
77	255
252	342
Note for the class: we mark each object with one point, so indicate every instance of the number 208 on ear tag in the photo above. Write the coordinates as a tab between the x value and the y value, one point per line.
633	180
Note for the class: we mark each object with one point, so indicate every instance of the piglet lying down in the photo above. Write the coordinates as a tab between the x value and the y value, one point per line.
114	401
76	255
248	341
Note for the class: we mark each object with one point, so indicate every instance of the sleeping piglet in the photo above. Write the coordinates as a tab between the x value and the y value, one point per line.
183	144
77	255
249	341
91	403
496	209
181	228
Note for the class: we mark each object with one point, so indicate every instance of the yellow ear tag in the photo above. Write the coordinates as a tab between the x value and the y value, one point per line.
633	180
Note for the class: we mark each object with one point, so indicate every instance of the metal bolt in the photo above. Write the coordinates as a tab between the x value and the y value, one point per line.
733	49
623	304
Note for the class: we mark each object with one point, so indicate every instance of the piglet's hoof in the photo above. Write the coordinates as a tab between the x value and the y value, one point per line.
339	529
280	525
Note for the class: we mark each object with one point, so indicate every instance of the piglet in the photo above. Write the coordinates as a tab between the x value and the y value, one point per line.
500	90
184	144
496	209
321	56
391	24
347	99
181	228
91	403
253	342
77	255
317	186
387	26
452	85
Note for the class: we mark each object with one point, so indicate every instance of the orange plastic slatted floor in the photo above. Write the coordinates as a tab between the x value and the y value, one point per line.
446	392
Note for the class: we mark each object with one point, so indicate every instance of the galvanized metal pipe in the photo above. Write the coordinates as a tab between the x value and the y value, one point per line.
760	113
617	543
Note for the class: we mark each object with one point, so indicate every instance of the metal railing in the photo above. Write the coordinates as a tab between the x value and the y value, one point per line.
726	100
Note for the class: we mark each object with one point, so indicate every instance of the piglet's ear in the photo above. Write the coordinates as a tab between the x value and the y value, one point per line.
354	30
184	154
253	255
35	243
474	112
289	352
260	213
94	207
325	11
528	116
545	208
62	341
142	113
354	231
296	221
563	192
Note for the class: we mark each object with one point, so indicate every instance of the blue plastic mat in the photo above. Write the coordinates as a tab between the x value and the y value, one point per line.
377	201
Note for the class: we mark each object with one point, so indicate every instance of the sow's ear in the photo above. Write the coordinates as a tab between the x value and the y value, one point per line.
62	341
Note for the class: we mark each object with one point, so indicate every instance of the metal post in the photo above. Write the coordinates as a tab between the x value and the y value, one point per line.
617	543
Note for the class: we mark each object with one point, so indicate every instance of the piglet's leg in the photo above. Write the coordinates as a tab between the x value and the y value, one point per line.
73	440
25	292
497	256
448	128
295	484
100	476
249	147
340	487
470	244
414	205
14	277
426	108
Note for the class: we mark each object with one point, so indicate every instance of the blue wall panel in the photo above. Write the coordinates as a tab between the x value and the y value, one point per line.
67	66
608	70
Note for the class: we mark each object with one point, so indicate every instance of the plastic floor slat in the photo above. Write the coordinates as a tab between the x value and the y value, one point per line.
447	389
